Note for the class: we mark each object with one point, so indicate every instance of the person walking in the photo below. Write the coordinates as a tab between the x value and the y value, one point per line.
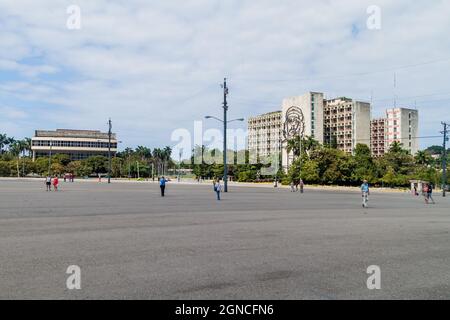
365	193
55	183
430	194
162	185
218	188
302	186
292	186
48	183
425	192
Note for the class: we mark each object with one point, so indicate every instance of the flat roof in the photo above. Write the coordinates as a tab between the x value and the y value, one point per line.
71	133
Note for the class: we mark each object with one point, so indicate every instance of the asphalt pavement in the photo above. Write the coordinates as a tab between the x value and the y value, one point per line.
257	243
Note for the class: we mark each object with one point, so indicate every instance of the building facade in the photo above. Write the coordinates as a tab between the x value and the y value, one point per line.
341	123
378	137
301	115
346	123
264	135
403	127
77	144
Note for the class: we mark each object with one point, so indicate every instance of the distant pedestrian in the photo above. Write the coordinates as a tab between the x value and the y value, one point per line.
162	185
292	186
48	183
218	188
365	193
430	194
55	183
425	192
65	177
302	186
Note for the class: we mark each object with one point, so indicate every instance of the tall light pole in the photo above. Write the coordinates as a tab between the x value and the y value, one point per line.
179	166
50	158
225	123
444	159
109	149
225	109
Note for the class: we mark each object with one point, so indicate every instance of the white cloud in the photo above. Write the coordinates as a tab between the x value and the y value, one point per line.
143	63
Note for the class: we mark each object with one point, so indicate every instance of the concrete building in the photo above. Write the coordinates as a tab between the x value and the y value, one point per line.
77	144
378	137
403	127
264	134
306	110
346	123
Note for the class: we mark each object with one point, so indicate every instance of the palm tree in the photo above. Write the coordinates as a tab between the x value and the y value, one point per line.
27	143
167	153
3	141
157	158
396	147
423	158
310	144
294	145
143	152
16	148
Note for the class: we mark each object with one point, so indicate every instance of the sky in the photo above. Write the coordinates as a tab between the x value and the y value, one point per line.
156	66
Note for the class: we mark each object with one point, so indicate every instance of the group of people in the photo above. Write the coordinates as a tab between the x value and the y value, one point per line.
427	192
49	182
297	185
216	185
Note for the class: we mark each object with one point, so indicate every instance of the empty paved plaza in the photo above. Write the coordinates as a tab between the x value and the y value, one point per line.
258	243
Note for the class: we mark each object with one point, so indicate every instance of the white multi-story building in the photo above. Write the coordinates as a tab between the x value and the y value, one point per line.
347	123
341	123
378	137
264	135
77	144
308	107
403	127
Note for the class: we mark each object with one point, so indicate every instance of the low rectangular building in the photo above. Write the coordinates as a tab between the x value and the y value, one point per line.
77	144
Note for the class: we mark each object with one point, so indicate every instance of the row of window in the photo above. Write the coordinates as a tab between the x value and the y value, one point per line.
73	156
74	144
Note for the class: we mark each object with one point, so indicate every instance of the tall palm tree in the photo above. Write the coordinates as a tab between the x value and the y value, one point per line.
294	145
157	159
396	147
423	158
167	154
3	141
16	148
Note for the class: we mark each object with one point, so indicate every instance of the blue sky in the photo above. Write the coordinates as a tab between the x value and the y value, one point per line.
156	66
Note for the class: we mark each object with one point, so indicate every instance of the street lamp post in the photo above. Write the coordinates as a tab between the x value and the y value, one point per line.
50	157
109	150
225	123
179	167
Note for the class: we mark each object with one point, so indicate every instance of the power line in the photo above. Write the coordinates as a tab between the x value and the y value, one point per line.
358	74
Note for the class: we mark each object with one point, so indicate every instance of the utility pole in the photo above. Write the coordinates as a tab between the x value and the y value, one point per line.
109	150
137	165
225	109
179	167
444	159
50	158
